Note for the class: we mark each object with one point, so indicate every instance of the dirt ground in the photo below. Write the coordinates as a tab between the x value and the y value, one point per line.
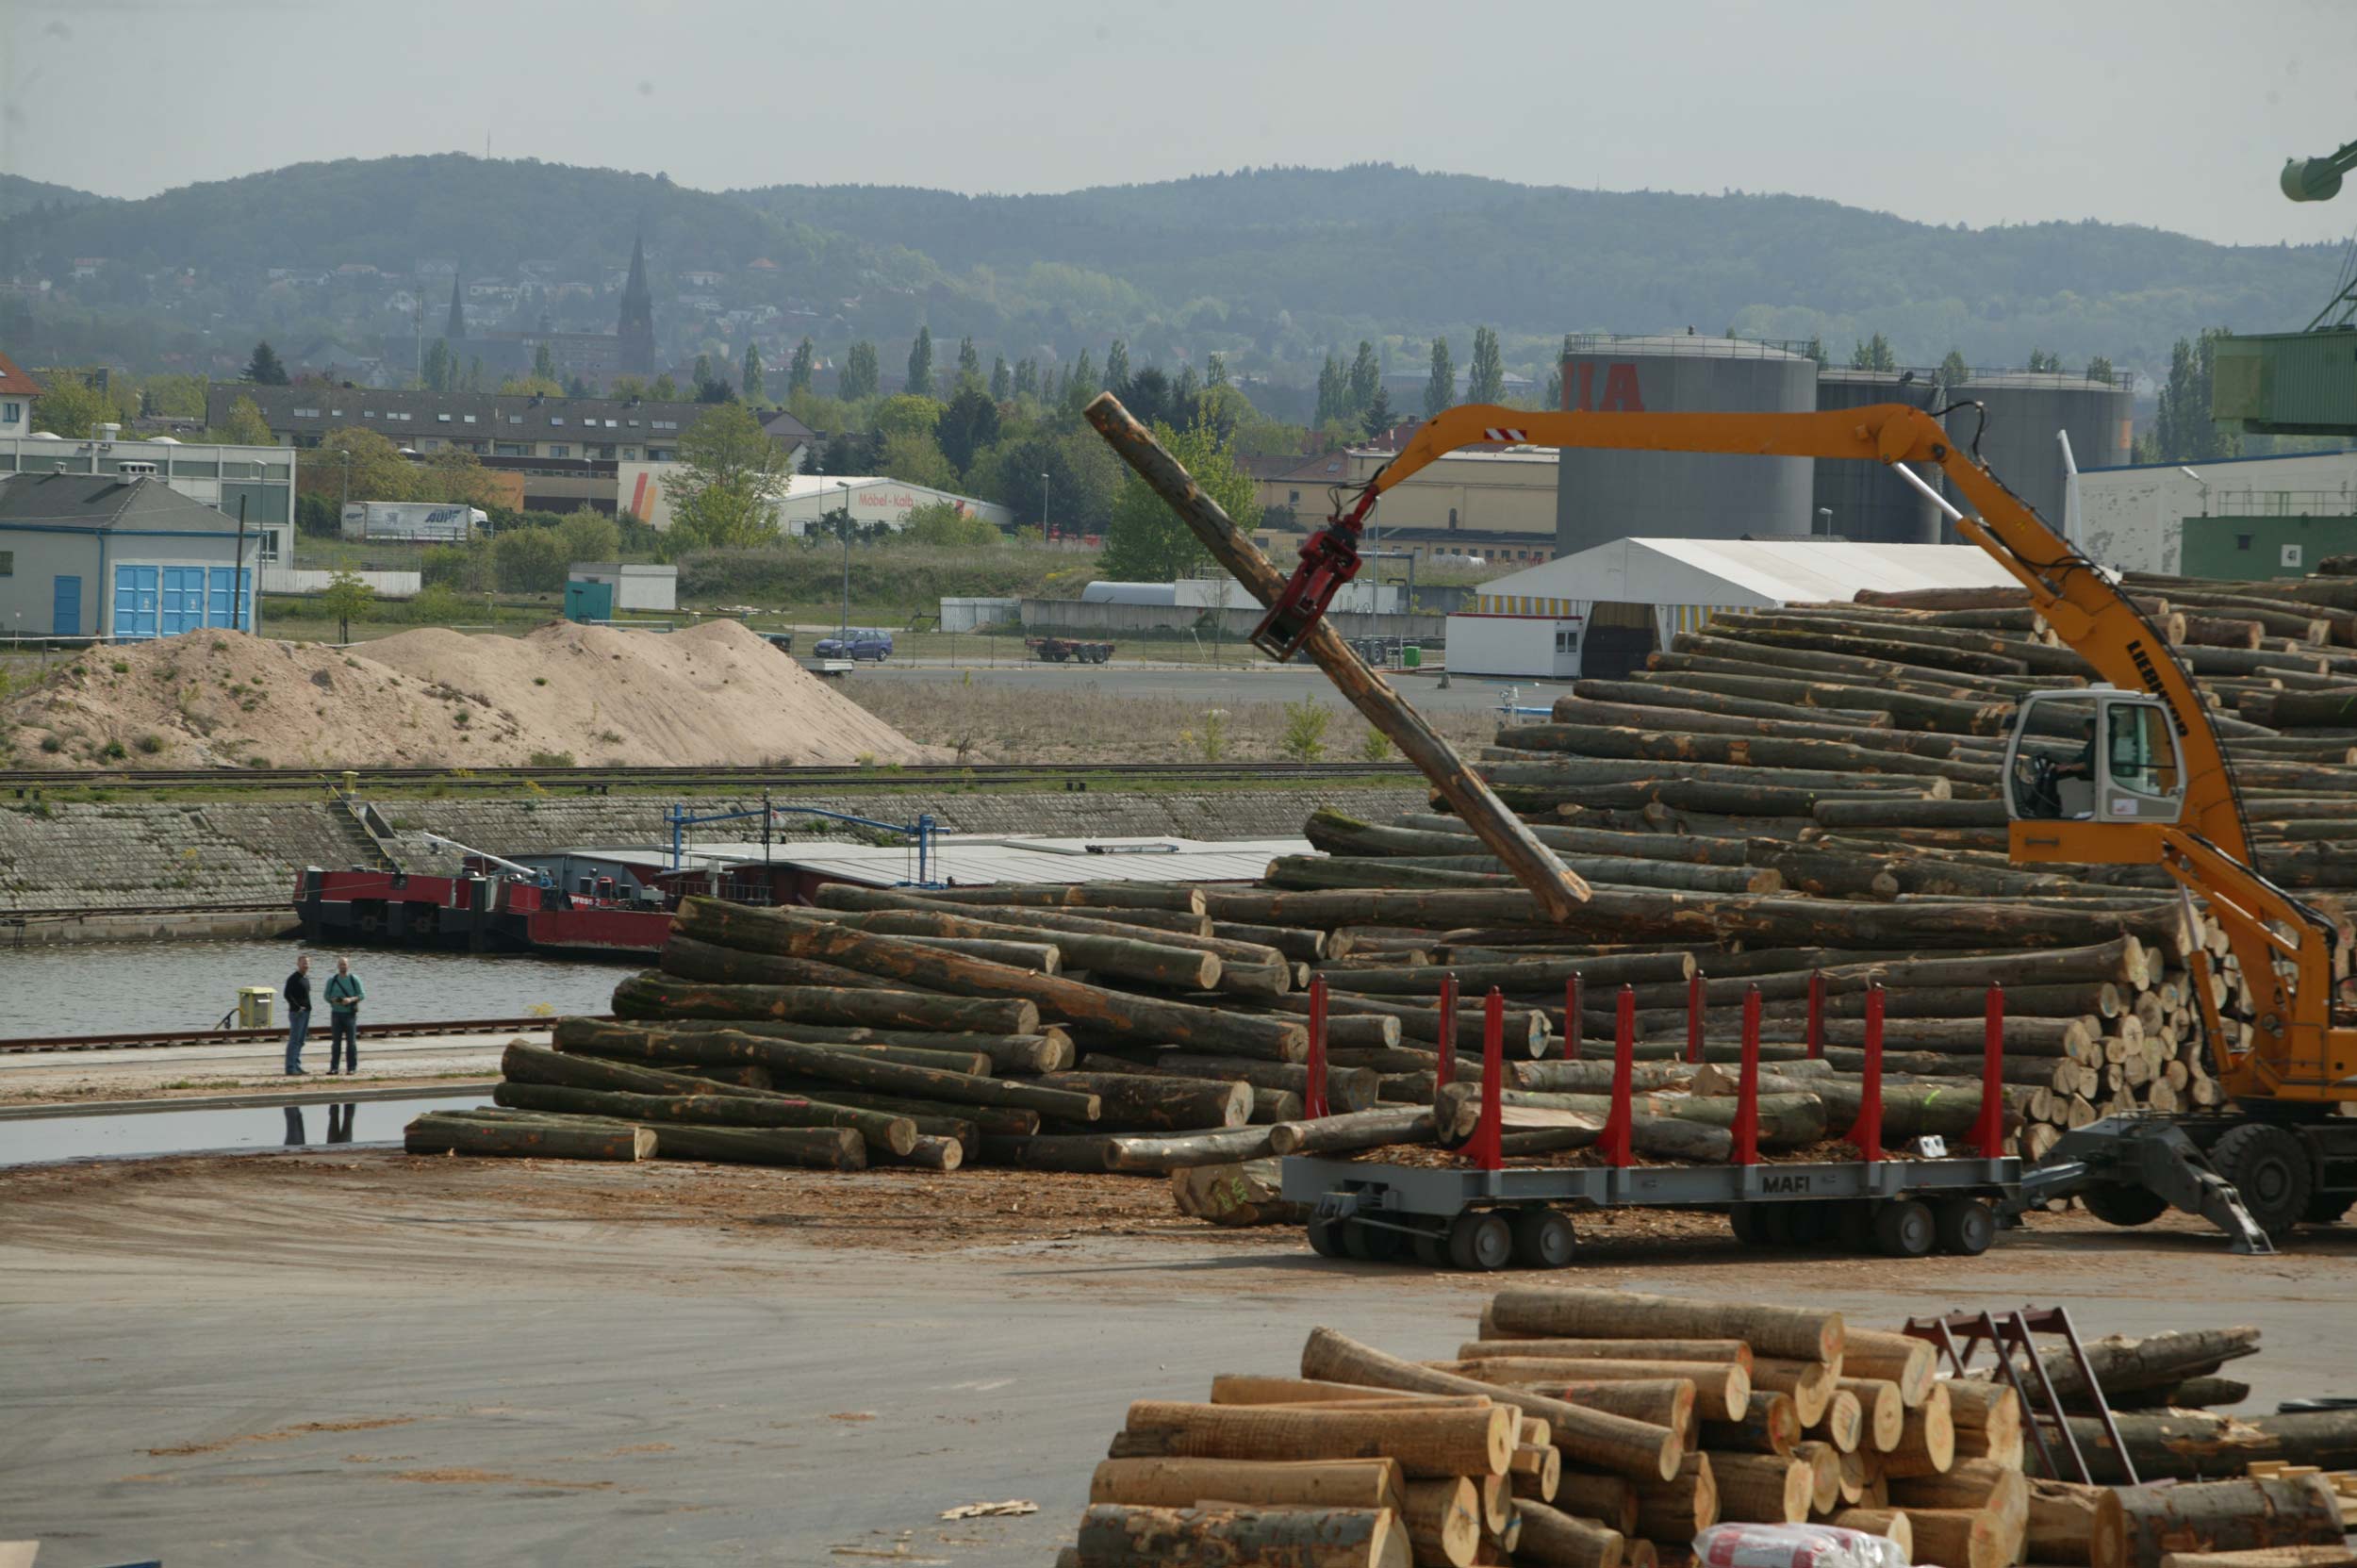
711	694
348	1356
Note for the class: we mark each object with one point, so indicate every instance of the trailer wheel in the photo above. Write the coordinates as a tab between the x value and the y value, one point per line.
1775	1224
1543	1238
1811	1224
1325	1238
2268	1165
1749	1229
1966	1226
1904	1227
2118	1203
1431	1248
1372	1243
1482	1242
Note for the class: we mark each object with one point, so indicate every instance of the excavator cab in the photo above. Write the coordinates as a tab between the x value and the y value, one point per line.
2093	754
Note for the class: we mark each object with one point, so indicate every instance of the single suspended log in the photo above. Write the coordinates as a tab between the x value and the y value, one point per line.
440	1135
1900	1358
1767	1488
1558	890
1927	1439
1611	1500
2121	1362
2229	1515
1800	1332
1886	1522
1601	1441
1558	1540
1049	1051
1118	1535
2070	1523
823	1147
1428	1443
1884	1413
1824	1472
1130	1103
1161	1155
662	996
1768	1424
1443	1520
1115	1015
687	958
1722	1390
1678	1509
835	1064
1811	1383
1733	1351
888	1133
1370	1483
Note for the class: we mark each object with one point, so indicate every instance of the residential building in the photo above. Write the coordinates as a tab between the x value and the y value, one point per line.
489	424
1497	504
259	481
118	555
17	392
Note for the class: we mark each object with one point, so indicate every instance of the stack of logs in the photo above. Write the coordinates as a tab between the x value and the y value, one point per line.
1588	1428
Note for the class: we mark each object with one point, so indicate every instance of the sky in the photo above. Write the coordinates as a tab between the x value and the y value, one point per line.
2161	112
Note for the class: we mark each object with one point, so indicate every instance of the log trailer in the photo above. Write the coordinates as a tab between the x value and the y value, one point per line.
2149	785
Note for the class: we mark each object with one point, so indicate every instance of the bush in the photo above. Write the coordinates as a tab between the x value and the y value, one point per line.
150	744
940	523
587	537
467	568
900	574
530	560
113	750
551	759
1305	730
436	604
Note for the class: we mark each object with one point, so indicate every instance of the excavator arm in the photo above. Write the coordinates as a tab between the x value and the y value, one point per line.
2296	1054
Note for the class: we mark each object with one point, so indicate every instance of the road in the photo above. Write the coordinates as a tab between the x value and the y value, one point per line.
349	1357
126	1074
1204	683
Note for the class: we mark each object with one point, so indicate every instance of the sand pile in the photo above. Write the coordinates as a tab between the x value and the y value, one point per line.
712	694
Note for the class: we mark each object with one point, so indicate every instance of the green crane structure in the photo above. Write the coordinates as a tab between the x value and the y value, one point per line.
2319	180
2299	382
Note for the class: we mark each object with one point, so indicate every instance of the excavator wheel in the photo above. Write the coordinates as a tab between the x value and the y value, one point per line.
2116	1203
2268	1167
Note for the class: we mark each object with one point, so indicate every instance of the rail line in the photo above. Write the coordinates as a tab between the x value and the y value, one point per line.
251	1036
22	780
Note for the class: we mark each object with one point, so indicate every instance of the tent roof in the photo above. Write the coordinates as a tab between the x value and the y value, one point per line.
1766	571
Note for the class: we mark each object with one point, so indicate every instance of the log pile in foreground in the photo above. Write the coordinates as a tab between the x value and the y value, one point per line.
1599	1428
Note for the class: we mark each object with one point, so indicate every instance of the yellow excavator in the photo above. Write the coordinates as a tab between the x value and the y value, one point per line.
2153	787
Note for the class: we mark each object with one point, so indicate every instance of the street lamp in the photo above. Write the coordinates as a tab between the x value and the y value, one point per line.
1043	506
846	632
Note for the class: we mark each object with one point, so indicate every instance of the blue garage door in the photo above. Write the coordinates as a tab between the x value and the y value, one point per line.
183	608
219	611
65	614
136	592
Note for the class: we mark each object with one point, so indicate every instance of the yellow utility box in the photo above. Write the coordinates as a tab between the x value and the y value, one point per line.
254	1005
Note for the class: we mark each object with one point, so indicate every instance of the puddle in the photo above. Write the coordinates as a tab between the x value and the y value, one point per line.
142	1134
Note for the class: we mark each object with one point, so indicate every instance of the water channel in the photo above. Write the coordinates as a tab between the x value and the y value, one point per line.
220	1130
143	987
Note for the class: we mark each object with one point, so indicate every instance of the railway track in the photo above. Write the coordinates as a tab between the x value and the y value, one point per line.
25	780
251	1036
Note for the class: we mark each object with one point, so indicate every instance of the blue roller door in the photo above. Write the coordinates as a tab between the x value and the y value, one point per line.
137	591
183	608
219	609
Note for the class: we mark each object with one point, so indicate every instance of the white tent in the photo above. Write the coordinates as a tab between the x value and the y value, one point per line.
1633	594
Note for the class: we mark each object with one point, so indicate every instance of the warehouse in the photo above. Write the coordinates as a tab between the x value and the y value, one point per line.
119	556
1599	612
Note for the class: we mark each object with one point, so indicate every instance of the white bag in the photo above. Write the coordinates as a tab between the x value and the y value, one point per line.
1746	1545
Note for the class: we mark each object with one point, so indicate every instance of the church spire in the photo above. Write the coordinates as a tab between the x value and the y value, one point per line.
456	328
636	327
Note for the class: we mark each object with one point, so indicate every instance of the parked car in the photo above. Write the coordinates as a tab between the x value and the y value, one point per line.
865	642
781	641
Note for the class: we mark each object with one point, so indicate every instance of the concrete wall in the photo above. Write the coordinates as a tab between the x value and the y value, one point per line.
2131	517
388	585
1511	645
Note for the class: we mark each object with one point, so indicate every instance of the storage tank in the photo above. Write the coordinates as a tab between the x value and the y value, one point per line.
1869	503
2024	409
1602	496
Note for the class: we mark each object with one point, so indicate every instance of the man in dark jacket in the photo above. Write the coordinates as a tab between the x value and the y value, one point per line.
298	990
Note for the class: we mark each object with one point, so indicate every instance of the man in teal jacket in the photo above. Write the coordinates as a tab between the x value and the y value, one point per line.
344	996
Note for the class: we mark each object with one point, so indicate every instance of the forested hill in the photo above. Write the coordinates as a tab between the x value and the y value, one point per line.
1421	253
18	194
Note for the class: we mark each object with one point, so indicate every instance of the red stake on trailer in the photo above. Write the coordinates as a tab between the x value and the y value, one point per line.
1989	1128
1485	1144
1747	1085
1444	1071
1570	1018
1615	1137
1314	1100
1867	1131
1694	1016
1815	1013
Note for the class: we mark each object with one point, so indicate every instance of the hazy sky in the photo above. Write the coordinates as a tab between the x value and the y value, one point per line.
2164	112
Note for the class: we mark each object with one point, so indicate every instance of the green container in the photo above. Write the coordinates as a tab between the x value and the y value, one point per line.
2248	548
1411	657
2287	382
589	601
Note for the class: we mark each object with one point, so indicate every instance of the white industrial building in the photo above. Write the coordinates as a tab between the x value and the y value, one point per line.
1599	612
635	587
2133	518
809	497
